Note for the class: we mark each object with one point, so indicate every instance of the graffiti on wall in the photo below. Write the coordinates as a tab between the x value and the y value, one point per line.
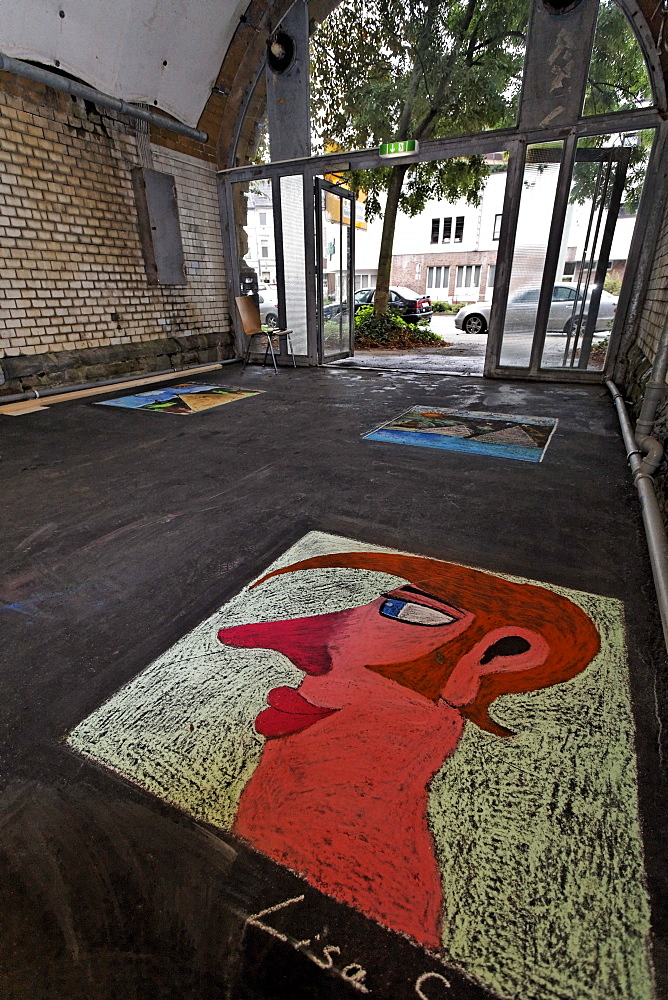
440	747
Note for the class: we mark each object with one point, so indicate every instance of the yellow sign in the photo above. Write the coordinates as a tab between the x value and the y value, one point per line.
333	205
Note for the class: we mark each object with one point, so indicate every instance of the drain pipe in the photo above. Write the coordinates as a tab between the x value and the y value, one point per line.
651	514
57	82
20	397
654	394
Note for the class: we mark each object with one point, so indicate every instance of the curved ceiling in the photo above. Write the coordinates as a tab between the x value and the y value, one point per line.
165	53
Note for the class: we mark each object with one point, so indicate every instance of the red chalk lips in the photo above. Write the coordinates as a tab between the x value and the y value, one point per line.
289	712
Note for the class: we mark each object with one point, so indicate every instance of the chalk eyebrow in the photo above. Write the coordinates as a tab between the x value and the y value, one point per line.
432	597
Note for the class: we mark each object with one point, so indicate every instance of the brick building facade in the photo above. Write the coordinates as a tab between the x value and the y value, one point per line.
412	270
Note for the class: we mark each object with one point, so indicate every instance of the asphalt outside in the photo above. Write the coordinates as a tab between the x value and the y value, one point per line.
463	355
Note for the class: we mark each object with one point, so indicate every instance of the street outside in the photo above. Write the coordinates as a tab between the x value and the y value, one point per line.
465	353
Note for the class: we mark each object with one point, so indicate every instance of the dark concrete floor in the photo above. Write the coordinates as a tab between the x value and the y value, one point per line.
122	530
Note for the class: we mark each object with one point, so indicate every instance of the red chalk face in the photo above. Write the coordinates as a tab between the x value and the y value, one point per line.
399	626
335	651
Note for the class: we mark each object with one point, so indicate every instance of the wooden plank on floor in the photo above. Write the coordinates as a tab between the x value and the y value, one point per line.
32	405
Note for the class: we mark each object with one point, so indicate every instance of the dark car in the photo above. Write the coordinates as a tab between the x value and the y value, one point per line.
408	304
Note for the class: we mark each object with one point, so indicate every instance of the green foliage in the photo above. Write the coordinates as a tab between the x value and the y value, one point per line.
390	331
399	69
446	307
618	78
612	285
617	81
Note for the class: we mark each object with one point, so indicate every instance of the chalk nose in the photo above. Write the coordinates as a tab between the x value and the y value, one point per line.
302	640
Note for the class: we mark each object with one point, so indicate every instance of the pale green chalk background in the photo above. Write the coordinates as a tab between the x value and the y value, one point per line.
538	836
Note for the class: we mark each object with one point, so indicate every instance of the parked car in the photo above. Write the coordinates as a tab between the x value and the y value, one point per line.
268	311
521	311
410	305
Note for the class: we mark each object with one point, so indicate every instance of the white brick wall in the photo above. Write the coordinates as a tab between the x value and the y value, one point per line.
70	254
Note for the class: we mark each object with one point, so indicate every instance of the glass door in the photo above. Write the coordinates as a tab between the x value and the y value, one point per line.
568	231
335	268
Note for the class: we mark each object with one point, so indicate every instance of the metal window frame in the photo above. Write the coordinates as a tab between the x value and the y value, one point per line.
322	186
513	141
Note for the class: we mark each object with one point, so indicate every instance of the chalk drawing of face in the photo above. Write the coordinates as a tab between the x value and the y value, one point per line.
340	793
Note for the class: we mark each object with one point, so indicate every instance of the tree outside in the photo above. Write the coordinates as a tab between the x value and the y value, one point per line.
419	69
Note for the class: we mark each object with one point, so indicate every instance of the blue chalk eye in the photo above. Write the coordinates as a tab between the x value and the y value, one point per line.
392	608
414	614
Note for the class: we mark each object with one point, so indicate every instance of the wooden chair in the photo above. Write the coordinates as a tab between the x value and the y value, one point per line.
252	327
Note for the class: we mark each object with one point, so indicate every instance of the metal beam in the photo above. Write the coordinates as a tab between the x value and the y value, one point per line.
57	82
464	145
288	105
504	255
553	250
558	50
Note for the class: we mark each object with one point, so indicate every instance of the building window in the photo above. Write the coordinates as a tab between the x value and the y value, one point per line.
497	227
468	276
263	218
459	229
447	230
491	275
264	250
435	226
438	277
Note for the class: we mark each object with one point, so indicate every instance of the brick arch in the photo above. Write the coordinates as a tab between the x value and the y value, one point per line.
224	114
230	118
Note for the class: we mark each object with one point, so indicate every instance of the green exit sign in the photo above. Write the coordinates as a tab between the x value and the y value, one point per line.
402	148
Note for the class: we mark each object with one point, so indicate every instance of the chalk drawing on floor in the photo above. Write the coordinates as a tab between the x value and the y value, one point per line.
501	434
448	750
183	399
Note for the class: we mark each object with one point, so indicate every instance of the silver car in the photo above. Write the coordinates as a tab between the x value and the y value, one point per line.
268	310
522	306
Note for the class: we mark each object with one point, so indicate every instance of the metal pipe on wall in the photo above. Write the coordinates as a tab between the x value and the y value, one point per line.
40	75
655	531
654	394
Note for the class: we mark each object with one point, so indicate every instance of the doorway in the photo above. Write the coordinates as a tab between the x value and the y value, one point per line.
335	249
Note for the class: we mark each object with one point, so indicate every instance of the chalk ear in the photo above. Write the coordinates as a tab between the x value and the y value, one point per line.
500	651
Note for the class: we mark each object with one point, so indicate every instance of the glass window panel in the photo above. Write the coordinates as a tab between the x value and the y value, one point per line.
294	256
497	226
447	230
460	276
382	46
437	283
541	172
430	277
446	278
583	310
435	227
256	259
491	275
618	79
459	229
476	276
